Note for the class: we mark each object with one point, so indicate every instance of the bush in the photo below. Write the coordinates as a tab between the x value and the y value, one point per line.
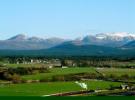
1	65
7	76
43	70
27	70
125	77
45	80
16	78
112	76
58	78
35	72
23	81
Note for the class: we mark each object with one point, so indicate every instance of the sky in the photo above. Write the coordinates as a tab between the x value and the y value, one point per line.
65	18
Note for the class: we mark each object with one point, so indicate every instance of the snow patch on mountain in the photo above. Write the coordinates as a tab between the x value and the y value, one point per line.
117	36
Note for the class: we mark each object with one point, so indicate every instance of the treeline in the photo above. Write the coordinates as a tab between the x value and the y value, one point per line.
99	63
78	61
118	58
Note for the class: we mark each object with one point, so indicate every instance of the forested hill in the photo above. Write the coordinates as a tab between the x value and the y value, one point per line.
72	50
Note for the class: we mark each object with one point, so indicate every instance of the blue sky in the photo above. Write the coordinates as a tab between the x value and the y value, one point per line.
65	18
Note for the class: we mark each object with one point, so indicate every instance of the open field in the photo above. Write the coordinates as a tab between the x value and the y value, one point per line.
117	71
39	89
23	65
59	71
46	88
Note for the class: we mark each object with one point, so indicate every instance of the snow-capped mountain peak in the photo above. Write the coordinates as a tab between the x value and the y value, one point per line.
115	39
117	36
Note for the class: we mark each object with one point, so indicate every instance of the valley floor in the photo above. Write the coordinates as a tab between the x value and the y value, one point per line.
53	87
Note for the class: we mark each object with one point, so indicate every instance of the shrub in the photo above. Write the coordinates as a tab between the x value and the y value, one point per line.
1	65
7	76
58	78
23	81
125	77
35	72
16	78
45	80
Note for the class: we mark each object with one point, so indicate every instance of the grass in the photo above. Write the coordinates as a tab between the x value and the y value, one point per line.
25	65
117	71
59	71
39	89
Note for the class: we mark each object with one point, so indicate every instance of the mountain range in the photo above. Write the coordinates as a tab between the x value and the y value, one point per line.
100	44
22	42
109	39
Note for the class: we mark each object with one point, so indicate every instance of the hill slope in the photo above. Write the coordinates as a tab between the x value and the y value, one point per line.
130	45
72	50
22	42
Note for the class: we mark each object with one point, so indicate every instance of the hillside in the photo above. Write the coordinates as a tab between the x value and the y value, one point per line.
71	50
130	45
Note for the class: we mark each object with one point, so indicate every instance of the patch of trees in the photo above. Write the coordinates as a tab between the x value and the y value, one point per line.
27	70
79	61
75	58
88	76
13	74
71	77
98	63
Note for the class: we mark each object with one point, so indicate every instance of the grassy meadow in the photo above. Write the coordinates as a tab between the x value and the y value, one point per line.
46	88
117	71
39	89
59	71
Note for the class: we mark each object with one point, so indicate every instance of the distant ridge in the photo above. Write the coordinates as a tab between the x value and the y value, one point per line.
19	37
129	45
69	49
22	42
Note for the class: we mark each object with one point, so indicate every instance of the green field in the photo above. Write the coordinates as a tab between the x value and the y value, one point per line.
39	89
24	65
45	88
117	71
59	71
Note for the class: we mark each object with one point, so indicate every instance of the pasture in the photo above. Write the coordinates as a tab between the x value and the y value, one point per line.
23	65
39	89
46	88
59	71
117	71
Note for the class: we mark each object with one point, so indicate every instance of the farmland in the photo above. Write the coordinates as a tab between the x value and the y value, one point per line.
46	88
117	71
39	89
38	77
59	71
22	65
